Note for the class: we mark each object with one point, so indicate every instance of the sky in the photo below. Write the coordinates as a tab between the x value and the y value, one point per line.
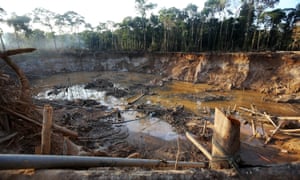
96	11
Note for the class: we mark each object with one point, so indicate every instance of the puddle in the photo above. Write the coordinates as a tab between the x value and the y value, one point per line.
79	92
173	93
177	92
147	125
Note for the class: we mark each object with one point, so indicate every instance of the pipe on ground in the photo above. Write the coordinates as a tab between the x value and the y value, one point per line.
16	161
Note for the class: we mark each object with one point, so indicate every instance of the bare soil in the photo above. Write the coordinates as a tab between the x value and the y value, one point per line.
103	132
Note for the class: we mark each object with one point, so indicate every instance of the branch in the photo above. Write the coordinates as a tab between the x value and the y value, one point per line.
16	51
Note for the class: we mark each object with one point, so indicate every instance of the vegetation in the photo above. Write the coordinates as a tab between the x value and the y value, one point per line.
222	25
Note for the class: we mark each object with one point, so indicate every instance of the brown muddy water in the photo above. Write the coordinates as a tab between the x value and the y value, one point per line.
194	98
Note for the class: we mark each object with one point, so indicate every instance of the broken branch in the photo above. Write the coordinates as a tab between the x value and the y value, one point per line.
55	126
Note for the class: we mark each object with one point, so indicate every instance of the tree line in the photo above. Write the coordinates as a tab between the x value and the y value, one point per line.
222	25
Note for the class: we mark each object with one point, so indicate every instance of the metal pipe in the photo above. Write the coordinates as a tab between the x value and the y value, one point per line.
16	161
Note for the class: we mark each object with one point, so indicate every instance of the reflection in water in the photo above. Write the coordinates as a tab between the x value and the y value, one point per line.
149	125
172	94
78	92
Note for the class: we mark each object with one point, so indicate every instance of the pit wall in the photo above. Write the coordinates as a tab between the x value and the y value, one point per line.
268	72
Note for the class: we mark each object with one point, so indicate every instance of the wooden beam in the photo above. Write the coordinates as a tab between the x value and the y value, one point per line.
46	130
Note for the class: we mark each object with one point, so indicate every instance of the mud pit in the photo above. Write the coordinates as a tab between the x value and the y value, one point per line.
96	106
99	107
124	114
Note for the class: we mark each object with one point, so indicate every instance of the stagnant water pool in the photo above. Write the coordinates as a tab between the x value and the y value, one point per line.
192	96
174	92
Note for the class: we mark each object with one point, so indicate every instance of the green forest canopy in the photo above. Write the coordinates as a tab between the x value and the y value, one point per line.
222	25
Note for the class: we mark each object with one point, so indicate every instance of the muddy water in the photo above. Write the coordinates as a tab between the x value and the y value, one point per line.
71	87
194	97
177	92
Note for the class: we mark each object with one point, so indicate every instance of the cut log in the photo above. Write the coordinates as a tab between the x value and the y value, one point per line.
225	141
46	130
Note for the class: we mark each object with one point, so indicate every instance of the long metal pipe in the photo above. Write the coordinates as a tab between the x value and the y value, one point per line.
16	161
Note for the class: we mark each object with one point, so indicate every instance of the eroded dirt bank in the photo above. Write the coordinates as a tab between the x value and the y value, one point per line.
275	73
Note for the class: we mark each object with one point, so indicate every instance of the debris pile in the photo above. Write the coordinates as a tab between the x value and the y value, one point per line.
20	119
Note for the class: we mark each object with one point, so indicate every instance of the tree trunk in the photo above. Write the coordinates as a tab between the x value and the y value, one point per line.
25	85
225	141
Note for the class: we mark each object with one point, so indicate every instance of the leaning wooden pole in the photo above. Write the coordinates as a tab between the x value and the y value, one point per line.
46	130
225	141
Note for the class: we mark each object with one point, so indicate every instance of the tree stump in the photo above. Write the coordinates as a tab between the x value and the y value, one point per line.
225	141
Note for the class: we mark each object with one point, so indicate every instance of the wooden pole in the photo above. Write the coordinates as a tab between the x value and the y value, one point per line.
225	141
198	145
46	129
61	129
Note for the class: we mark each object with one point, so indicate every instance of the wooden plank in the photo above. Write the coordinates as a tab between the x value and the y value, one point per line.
46	130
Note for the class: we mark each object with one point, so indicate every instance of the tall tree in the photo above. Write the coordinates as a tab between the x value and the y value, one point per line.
191	11
2	13
142	6
20	24
71	20
47	19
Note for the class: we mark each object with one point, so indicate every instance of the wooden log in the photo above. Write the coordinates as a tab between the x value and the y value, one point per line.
274	132
46	130
289	130
61	129
225	141
198	145
268	117
12	52
292	118
132	100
